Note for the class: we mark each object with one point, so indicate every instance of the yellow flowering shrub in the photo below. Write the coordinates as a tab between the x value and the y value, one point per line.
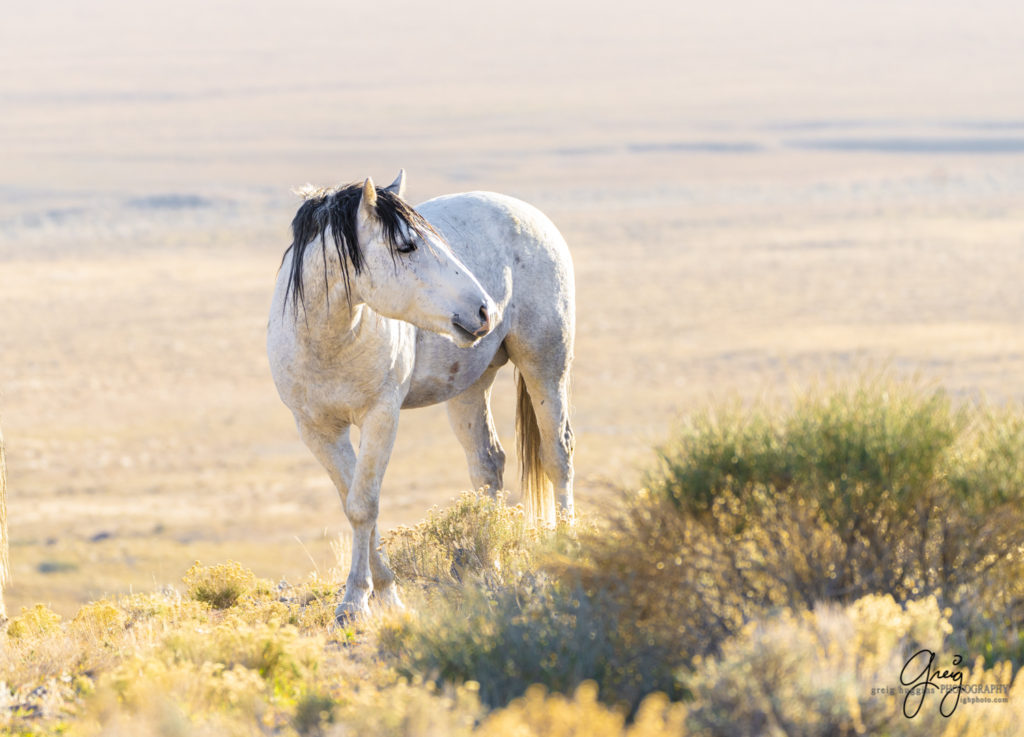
221	586
39	620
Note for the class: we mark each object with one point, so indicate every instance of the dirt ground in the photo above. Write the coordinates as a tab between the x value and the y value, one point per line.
755	201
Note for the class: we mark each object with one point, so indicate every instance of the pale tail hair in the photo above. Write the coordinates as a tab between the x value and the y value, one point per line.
538	492
4	562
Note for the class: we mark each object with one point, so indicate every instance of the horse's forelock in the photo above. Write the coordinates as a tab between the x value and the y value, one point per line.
337	210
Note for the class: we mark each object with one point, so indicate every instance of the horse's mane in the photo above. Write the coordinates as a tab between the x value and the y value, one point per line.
336	209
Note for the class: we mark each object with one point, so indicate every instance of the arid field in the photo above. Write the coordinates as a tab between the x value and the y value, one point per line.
760	199
748	212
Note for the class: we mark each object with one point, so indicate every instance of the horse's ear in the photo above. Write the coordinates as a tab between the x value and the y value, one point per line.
398	186
368	202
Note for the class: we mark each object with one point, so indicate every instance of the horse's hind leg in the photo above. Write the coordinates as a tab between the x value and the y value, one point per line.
544	368
550	400
383	577
470	416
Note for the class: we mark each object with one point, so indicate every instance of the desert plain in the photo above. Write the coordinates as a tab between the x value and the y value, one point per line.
757	199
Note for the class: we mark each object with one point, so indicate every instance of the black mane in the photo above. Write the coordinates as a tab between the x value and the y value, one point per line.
337	210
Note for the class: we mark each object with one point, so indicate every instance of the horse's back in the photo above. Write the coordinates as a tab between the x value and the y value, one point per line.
516	252
479	224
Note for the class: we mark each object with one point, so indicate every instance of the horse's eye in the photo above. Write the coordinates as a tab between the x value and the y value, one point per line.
407	247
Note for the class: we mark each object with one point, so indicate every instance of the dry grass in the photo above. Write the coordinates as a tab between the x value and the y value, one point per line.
546	608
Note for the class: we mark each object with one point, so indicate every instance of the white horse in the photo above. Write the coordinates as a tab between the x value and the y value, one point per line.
380	307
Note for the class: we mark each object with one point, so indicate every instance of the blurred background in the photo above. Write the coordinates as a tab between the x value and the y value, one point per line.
757	195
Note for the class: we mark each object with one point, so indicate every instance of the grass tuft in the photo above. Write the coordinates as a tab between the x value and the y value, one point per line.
221	586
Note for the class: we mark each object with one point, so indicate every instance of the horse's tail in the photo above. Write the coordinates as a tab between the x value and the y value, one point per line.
4	563
538	492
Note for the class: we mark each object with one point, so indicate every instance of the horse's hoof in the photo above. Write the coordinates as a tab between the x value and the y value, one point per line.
348	612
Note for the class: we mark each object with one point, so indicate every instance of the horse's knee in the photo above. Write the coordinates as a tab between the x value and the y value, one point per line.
361	510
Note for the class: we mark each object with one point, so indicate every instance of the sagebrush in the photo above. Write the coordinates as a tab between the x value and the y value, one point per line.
772	577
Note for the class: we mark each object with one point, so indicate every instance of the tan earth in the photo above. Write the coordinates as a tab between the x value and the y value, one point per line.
756	200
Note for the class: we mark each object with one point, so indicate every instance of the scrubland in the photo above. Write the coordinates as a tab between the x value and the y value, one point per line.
755	195
775	574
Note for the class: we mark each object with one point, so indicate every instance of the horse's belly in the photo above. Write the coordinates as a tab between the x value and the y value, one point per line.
443	370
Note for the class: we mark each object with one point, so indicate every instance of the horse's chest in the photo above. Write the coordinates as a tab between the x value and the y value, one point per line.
338	390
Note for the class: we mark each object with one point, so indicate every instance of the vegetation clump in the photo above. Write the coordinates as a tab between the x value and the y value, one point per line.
221	586
878	489
775	575
478	537
34	622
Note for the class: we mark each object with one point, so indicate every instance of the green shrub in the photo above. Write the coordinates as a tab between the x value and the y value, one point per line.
506	640
313	713
221	586
876	443
986	470
847	495
718	450
478	536
408	709
273	650
508	625
99	619
776	571
877	488
836	671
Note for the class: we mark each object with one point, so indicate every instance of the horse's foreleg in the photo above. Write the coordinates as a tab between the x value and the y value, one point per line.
334	453
339	459
369	567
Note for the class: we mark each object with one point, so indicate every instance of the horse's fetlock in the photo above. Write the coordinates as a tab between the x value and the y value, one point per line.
360	583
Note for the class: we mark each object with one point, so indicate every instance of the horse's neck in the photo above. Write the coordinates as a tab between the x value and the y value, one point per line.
332	326
325	311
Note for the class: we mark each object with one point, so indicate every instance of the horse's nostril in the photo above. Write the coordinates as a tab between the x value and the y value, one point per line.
483	314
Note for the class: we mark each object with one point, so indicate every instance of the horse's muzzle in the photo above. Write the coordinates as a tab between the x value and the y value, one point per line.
485	322
474	327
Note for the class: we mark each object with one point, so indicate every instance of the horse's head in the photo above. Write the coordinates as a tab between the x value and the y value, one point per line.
409	272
